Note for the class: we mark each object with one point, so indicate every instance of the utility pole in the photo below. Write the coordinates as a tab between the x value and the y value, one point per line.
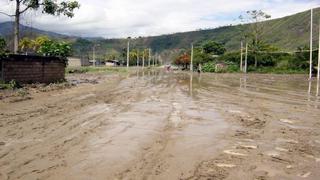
149	58
191	63
246	59
318	73
241	52
128	52
311	29
143	58
138	58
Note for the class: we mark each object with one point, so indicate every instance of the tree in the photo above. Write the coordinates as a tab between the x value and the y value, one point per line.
213	48
51	7
256	30
39	41
25	44
201	57
53	48
184	60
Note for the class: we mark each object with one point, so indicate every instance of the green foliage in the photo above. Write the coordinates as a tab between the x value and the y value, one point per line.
53	48
208	67
214	48
53	7
42	45
25	44
3	45
232	68
38	42
11	85
200	57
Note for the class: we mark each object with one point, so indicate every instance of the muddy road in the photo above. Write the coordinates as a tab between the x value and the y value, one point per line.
157	125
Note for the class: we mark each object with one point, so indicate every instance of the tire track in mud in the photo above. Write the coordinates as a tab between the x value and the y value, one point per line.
264	146
58	145
159	160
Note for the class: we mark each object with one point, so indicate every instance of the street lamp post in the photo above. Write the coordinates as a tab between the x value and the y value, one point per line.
311	29
143	58
318	68
191	63
149	57
246	59
138	58
241	58
128	52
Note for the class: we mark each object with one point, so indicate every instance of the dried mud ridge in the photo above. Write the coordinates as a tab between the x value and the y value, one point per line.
162	126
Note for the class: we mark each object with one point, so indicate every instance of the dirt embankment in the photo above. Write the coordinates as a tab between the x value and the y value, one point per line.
154	125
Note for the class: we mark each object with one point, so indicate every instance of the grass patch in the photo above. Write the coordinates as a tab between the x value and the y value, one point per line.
10	85
80	70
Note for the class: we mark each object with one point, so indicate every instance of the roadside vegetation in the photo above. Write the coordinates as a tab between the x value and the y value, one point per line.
89	69
262	57
264	62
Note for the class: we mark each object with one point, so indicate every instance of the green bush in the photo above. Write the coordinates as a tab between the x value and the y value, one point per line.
52	48
2	45
208	67
232	68
11	85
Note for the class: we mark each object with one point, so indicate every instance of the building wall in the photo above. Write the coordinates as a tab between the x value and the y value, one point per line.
74	62
77	62
32	69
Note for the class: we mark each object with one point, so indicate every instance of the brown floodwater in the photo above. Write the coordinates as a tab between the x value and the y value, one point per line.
165	125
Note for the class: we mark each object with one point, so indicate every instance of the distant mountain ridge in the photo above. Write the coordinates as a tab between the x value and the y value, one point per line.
286	33
6	29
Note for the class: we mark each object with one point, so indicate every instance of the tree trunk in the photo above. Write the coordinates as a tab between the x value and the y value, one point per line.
16	28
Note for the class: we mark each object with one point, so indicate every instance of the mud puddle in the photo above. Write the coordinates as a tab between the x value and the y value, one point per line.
157	125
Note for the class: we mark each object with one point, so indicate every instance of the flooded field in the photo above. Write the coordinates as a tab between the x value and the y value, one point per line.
158	125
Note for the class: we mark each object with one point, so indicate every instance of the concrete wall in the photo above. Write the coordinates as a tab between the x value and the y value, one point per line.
32	69
77	62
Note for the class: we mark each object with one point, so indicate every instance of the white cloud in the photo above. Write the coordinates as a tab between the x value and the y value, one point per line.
122	18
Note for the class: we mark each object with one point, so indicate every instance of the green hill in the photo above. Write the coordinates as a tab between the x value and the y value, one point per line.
286	33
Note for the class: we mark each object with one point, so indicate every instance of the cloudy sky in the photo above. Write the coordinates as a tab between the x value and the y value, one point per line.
123	18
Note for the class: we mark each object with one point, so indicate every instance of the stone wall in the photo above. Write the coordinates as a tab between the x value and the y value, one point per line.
32	69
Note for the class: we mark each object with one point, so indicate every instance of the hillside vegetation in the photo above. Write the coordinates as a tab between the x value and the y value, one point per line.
286	34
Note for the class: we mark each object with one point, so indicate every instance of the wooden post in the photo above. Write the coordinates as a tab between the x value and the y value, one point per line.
311	29
191	62
246	59
241	52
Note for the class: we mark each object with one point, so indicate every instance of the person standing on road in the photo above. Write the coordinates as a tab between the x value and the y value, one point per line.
199	68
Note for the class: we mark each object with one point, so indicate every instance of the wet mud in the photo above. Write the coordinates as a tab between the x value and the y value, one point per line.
158	125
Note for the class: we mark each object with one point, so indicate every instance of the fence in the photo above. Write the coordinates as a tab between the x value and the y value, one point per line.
32	69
